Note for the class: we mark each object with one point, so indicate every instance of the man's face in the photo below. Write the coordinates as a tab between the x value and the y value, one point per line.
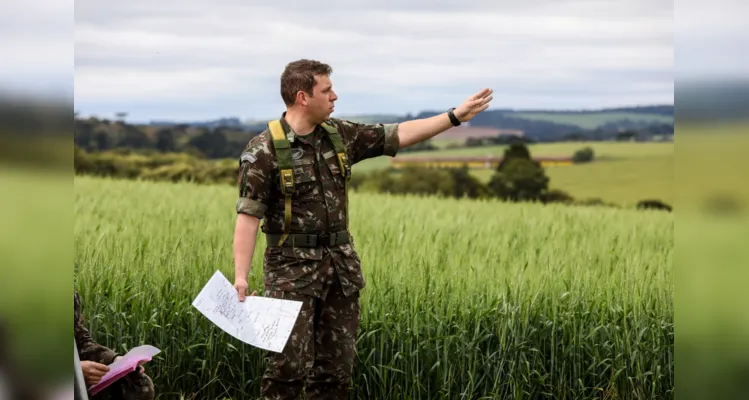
320	104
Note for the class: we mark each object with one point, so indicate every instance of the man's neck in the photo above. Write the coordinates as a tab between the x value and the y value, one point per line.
301	125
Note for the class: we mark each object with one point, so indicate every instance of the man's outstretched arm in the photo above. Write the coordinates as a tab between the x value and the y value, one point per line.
418	130
245	234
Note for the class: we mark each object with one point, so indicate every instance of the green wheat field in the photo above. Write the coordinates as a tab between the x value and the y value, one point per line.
464	299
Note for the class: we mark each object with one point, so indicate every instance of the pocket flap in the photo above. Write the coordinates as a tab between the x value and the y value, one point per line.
304	173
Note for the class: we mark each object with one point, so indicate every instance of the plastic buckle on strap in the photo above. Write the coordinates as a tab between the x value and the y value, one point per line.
310	240
287	177
344	164
323	239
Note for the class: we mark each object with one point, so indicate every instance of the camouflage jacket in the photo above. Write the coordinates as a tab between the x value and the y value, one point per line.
88	350
318	205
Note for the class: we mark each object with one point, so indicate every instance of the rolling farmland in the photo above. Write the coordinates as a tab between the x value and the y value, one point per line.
622	173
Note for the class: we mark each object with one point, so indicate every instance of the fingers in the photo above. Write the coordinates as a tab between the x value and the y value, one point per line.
100	368
93	371
482	94
241	291
481	101
96	371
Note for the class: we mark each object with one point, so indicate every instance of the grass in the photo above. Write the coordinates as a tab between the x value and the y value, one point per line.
464	299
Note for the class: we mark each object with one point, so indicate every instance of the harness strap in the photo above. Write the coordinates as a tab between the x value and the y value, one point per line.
343	161
283	156
285	166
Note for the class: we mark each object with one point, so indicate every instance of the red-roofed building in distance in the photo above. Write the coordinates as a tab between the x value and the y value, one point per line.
472	162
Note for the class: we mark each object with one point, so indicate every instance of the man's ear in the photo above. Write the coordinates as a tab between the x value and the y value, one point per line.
301	98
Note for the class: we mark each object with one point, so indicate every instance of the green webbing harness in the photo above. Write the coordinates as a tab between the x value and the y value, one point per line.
283	156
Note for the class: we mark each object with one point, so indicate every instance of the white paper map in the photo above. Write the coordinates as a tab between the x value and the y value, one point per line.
259	321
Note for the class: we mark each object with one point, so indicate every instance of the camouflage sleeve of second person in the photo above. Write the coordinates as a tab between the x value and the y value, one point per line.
256	173
368	140
88	349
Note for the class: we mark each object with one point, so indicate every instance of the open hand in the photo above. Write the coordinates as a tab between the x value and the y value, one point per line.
93	372
242	286
474	105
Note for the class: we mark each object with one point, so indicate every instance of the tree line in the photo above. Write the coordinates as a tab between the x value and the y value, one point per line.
217	141
94	135
517	178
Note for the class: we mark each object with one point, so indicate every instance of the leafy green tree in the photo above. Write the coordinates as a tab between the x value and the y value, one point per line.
583	155
165	141
514	150
520	180
518	177
467	185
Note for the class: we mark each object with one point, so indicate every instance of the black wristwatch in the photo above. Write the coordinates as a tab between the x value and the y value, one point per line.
455	121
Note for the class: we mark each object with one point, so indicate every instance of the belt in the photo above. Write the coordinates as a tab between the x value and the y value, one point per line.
309	239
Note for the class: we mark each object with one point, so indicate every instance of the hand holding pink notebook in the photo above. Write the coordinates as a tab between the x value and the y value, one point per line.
125	365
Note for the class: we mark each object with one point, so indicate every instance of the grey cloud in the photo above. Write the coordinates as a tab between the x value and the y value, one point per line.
188	50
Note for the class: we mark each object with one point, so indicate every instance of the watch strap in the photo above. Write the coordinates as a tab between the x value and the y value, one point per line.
453	119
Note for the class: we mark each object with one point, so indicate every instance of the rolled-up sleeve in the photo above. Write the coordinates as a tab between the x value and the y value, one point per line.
392	142
254	181
251	207
369	140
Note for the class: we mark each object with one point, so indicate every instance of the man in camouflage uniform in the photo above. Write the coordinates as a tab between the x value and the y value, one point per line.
294	176
95	359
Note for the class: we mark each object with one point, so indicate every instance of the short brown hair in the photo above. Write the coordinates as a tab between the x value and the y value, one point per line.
300	75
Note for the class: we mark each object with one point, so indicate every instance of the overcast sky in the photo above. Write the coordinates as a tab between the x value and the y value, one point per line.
193	60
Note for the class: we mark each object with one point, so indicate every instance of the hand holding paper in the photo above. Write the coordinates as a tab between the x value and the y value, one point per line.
125	365
259	321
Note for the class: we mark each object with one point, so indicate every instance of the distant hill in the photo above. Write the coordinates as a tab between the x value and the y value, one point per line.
593	120
375	118
537	124
553	125
665	110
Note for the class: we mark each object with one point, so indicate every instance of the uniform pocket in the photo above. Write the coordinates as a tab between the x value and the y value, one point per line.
349	252
304	173
305	179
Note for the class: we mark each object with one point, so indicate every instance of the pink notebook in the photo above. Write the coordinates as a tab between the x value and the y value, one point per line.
125	365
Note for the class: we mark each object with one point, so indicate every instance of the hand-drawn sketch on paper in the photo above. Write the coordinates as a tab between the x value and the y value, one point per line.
259	321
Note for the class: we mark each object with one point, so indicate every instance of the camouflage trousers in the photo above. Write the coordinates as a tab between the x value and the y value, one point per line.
133	386
321	348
